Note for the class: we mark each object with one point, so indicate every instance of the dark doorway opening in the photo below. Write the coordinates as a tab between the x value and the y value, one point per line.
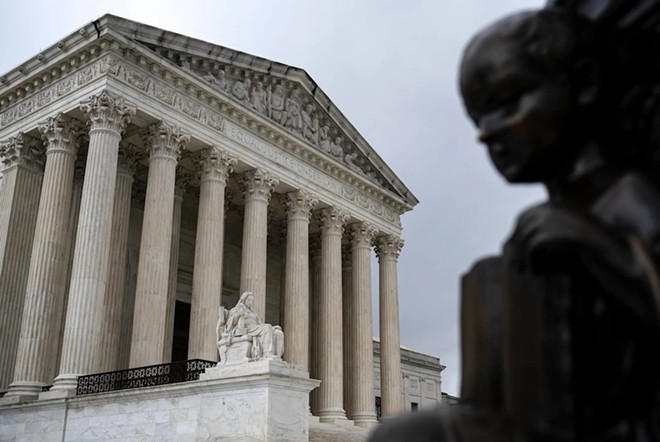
181	331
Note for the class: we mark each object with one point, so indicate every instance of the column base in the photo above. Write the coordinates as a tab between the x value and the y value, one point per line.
64	386
335	416
22	391
365	420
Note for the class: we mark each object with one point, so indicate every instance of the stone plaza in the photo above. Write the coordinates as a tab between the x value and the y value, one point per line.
150	178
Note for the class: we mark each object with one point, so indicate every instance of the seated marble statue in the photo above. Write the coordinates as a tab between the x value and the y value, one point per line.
243	336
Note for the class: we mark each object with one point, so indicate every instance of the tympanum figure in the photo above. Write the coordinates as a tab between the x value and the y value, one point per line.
560	333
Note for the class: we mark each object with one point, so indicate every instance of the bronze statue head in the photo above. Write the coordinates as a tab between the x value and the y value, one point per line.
526	83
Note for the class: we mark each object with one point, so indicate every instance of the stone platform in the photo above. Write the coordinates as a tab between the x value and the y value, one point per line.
265	401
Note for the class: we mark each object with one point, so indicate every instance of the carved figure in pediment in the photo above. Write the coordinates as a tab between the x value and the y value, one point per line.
324	138
293	120
241	90
276	103
243	336
310	124
350	160
220	80
260	98
335	147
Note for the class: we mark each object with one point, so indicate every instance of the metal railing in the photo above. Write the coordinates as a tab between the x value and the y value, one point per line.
162	374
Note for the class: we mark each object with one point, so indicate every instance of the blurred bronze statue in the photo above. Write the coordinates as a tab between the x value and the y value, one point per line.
561	333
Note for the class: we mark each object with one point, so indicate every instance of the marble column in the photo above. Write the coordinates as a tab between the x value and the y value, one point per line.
214	166
330	316
387	250
111	318
314	328
348	329
44	293
22	158
132	261
296	279
361	351
183	178
81	354
164	144
257	186
74	214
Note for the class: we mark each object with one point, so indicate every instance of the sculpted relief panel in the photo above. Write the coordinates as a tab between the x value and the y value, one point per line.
283	103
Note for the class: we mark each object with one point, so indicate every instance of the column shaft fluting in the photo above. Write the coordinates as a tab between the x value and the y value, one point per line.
296	279
74	214
214	166
315	326
132	261
111	313
348	327
387	249
164	143
363	408
330	317
19	204
44	293
81	353
182	181
257	186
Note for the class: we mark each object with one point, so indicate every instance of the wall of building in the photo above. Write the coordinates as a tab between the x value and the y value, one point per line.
421	378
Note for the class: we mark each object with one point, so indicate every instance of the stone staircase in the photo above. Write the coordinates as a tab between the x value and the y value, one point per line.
324	432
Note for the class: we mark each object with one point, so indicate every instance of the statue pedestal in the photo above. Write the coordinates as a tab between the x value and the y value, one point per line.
265	400
256	401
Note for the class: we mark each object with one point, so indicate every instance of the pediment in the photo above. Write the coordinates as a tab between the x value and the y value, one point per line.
284	101
284	95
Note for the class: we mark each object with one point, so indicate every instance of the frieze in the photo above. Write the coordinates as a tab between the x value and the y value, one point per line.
138	80
165	94
311	174
44	97
56	89
65	86
215	120
87	74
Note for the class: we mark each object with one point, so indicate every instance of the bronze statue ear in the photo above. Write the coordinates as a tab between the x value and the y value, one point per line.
588	80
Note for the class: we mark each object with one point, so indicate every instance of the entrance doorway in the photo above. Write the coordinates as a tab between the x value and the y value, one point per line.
181	331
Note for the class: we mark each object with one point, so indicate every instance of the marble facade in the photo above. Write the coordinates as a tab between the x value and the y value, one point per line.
141	175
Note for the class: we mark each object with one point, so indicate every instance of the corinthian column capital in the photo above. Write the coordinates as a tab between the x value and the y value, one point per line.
258	184
22	150
61	133
183	179
333	220
107	112
128	158
362	234
300	205
164	140
388	247
214	164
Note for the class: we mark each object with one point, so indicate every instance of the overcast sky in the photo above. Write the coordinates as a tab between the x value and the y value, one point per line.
390	66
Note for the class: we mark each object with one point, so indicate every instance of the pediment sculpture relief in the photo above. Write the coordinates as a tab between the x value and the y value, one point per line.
287	106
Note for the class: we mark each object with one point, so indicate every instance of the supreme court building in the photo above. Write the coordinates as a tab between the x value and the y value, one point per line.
149	177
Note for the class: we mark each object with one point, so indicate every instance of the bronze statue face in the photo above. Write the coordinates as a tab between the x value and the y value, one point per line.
525	116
